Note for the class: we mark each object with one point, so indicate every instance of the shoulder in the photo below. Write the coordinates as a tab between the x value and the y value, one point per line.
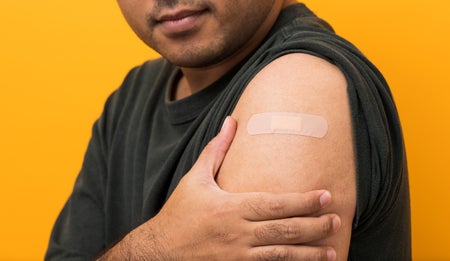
304	85
302	68
285	158
296	82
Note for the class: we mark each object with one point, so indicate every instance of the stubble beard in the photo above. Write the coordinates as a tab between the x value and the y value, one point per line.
198	55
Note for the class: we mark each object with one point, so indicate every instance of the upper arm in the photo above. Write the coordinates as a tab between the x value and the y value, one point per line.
306	84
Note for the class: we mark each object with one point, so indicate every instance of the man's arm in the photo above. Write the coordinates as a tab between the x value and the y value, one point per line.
297	83
202	222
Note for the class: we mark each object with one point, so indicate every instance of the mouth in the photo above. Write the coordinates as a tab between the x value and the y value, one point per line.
180	22
178	15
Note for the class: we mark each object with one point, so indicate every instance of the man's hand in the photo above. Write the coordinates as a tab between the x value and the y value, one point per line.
202	222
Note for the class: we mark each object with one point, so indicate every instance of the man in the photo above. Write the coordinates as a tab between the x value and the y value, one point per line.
310	165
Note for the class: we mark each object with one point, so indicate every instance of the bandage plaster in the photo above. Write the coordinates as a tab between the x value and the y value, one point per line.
288	123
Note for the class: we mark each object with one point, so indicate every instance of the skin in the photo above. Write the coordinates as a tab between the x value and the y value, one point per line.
222	35
248	214
230	226
295	163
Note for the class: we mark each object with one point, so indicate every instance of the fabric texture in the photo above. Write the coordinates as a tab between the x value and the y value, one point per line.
143	144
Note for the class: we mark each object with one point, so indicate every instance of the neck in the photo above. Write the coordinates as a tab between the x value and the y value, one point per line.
196	79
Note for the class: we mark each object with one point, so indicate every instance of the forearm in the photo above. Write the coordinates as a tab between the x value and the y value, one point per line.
200	221
142	243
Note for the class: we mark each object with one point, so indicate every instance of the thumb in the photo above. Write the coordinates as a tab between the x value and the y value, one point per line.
212	156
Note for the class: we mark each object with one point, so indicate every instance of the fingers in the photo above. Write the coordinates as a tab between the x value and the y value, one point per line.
288	219
268	253
295	230
267	206
213	154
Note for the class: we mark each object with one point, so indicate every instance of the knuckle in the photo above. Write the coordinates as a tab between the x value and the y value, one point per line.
255	207
315	255
312	204
276	207
279	232
327	226
290	232
263	206
226	237
272	206
320	255
274	254
268	232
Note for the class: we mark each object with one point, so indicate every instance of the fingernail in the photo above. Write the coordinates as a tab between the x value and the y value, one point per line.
331	255
225	123
325	198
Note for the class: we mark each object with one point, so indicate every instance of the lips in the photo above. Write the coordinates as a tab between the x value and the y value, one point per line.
180	22
178	15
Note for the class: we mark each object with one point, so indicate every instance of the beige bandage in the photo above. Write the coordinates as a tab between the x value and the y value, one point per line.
288	123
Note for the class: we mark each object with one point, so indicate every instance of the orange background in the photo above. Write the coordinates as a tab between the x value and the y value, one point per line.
59	60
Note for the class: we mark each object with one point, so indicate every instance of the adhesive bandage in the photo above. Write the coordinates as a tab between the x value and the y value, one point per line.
288	123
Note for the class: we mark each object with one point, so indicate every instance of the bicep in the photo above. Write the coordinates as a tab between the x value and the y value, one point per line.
303	84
